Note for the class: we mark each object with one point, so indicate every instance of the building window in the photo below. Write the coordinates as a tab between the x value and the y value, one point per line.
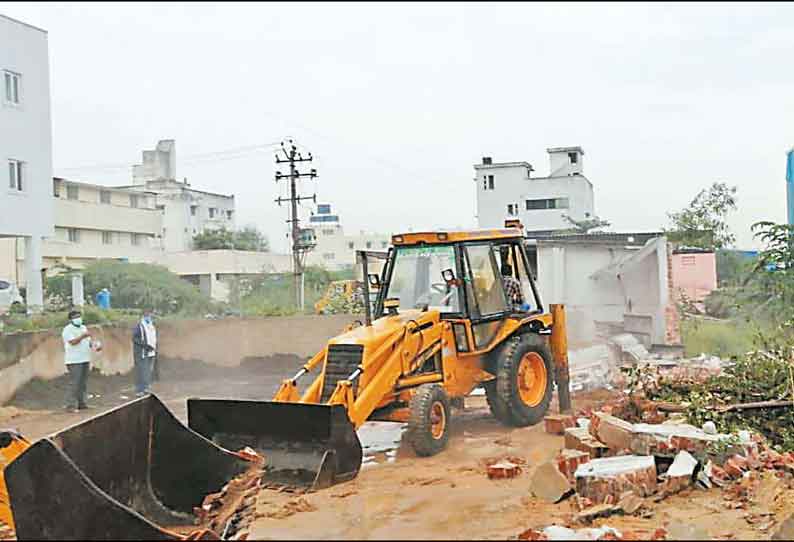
490	182
323	209
384	244
56	188
12	84
350	246
135	239
15	175
72	191
329	256
74	235
369	244
573	157
161	208
104	197
512	209
134	201
229	215
107	237
550	203
212	211
193	210
687	261
328	232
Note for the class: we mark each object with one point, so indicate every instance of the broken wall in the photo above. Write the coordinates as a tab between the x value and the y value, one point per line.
226	343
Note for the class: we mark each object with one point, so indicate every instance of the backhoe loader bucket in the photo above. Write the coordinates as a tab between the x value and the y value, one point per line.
303	444
128	474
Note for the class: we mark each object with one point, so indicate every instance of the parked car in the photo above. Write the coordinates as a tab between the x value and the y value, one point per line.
9	295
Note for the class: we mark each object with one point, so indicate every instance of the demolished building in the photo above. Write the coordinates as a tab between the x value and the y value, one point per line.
611	284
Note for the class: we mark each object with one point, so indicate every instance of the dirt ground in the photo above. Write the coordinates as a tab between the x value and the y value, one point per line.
396	495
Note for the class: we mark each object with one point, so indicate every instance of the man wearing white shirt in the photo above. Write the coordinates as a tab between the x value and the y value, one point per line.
144	351
77	357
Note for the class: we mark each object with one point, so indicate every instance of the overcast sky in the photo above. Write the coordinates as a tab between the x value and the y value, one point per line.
398	101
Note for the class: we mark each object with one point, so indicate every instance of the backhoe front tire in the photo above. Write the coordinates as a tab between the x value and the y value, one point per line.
524	384
428	428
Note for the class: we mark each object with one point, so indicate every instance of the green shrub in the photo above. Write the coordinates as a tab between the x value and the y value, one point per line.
133	286
720	338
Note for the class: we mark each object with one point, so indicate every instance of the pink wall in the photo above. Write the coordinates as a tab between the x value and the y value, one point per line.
695	274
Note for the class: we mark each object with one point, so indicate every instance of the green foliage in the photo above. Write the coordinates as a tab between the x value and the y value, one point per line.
133	286
587	225
249	239
733	268
58	319
702	224
274	295
721	338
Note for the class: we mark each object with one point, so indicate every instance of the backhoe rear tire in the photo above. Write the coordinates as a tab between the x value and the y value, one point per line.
524	384
428	428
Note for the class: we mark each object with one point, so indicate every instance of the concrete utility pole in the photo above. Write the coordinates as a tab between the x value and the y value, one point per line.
300	244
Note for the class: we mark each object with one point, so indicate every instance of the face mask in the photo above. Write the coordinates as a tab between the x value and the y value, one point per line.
77	322
147	319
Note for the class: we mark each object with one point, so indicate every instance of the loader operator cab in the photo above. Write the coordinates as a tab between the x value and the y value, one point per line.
464	279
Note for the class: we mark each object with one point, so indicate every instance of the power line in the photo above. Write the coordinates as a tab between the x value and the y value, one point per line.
300	243
205	157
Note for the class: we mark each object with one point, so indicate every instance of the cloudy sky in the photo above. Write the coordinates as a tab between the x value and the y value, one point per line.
398	101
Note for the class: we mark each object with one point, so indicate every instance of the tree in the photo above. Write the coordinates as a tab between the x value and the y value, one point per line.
702	223
587	225
249	239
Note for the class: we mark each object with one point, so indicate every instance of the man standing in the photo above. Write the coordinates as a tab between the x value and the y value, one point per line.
144	351
77	357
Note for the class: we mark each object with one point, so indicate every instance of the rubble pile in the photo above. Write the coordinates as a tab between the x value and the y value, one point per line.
227	514
753	393
642	447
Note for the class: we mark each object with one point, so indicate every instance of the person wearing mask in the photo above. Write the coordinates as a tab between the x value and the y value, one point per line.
77	357
144	351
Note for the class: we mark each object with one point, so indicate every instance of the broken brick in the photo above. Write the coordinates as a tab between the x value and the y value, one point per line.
579	438
556	424
680	473
569	460
612	431
612	476
503	469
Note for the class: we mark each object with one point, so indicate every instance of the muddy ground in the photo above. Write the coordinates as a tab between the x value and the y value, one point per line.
396	495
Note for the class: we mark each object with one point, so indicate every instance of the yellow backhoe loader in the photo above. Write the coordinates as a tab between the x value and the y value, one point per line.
455	311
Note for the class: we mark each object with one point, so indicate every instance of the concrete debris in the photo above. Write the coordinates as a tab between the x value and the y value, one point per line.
630	502
680	473
549	484
604	480
557	532
596	511
556	424
709	428
626	347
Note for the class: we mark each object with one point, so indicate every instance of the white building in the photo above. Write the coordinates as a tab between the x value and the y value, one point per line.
26	203
334	249
507	190
186	211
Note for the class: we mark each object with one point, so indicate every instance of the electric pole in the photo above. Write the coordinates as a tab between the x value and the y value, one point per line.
300	243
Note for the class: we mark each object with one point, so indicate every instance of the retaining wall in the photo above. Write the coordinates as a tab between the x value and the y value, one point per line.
224	342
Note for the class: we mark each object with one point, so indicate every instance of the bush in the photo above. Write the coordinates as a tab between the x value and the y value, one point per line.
133	286
720	338
58	319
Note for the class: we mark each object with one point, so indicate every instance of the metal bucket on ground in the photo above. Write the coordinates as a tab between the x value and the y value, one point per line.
127	474
303	444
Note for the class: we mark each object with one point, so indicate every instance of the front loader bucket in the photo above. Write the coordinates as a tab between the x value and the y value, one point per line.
128	474
303	444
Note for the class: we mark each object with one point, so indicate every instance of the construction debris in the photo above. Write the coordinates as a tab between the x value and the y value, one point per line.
604	480
549	484
556	424
569	460
503	469
579	438
680	473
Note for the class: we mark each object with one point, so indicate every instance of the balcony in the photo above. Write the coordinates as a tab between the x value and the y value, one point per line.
95	216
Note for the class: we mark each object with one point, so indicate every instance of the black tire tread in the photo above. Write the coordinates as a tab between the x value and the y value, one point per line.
419	434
